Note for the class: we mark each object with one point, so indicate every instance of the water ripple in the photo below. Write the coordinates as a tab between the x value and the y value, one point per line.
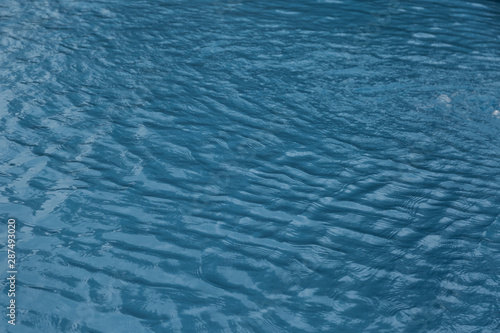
227	166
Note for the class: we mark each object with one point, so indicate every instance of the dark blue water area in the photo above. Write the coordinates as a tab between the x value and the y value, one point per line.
251	166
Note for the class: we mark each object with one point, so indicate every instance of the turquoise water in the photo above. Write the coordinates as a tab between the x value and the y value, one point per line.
263	166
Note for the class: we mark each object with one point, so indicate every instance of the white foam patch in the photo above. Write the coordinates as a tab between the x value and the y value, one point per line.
477	5
286	12
444	98
440	45
423	35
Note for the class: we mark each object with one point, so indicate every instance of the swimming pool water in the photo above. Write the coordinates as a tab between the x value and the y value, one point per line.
252	166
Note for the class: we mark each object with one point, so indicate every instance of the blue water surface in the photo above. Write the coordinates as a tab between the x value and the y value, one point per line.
251	166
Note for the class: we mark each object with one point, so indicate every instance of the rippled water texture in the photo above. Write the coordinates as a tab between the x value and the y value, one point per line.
252	166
